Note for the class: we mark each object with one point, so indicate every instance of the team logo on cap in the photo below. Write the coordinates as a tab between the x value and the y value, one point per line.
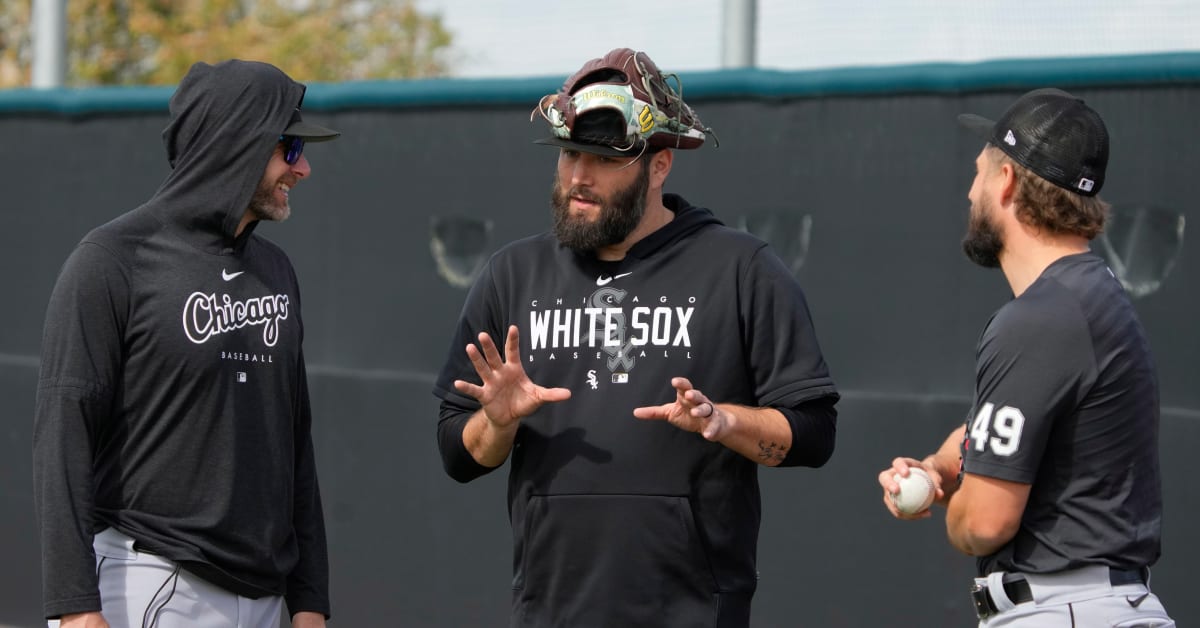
646	119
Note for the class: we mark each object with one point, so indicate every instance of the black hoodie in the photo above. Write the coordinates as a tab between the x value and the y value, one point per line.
617	521
172	401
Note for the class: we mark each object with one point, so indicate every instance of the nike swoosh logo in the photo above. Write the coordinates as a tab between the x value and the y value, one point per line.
228	276
604	281
1137	601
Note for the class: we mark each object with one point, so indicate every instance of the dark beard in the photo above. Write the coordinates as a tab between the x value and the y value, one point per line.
619	214
983	241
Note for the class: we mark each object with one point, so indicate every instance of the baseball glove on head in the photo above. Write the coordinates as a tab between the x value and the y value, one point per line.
619	105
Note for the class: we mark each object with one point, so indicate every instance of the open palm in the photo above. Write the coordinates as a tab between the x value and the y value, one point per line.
506	394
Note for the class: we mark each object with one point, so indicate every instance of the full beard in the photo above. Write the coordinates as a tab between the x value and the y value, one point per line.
983	242
619	214
264	206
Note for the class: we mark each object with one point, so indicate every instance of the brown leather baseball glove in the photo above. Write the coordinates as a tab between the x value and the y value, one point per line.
621	101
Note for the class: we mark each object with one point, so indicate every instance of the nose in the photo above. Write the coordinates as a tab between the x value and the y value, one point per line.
302	168
581	171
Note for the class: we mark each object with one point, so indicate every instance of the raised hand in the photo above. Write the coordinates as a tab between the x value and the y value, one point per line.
691	411
506	394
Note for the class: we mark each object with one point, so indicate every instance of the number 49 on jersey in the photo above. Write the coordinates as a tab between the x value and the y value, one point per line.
998	429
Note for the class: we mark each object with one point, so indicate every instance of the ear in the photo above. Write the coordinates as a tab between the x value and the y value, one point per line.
660	167
1007	181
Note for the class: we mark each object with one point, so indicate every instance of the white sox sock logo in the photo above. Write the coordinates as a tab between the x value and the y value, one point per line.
615	344
228	276
604	281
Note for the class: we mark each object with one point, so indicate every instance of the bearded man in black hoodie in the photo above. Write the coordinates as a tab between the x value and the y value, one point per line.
173	463
653	359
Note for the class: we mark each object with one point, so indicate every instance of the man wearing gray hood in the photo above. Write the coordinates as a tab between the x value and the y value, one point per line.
174	476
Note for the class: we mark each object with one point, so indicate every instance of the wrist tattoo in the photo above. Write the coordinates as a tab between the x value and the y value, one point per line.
771	451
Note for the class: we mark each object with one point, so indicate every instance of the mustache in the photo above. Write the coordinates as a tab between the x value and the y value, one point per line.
583	193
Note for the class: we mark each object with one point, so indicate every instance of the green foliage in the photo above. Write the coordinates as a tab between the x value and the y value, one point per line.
14	42
154	42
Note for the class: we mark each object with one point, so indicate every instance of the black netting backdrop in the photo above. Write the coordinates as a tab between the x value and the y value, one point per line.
863	195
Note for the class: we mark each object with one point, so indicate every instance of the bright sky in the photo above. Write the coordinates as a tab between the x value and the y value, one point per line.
508	38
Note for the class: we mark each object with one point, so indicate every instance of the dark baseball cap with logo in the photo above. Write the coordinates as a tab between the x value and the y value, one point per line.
297	127
1054	135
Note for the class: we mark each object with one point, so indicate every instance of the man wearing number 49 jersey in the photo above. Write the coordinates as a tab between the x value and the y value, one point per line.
1053	481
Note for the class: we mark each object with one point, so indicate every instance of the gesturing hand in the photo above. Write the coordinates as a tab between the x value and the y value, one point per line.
507	394
691	411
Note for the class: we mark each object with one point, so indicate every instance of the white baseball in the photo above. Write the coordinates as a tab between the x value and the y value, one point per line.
916	491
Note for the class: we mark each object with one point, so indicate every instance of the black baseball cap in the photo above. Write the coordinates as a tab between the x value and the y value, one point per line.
600	132
297	127
1054	135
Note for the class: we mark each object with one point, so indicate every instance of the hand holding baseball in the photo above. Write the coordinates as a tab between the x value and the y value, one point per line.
909	489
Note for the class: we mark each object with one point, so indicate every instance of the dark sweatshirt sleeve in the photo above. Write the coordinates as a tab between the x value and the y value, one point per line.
456	460
814	432
308	583
480	313
787	365
82	354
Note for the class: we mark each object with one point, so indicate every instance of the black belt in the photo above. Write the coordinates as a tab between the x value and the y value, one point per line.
1018	590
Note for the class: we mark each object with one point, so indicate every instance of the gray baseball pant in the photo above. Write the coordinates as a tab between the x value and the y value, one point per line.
1080	597
140	590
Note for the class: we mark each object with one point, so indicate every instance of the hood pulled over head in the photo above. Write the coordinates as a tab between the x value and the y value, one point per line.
225	120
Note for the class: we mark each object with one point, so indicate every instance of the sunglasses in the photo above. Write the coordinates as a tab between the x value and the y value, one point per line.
292	148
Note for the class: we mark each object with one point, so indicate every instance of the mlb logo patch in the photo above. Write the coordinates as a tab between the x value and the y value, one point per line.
1010	139
241	377
1086	185
620	378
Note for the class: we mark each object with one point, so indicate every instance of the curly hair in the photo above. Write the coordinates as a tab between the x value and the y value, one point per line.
1045	206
